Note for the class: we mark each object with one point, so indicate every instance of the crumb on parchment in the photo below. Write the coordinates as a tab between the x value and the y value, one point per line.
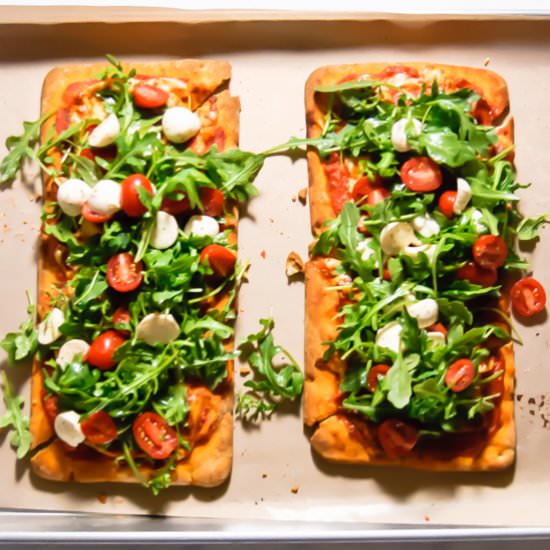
302	195
294	489
244	370
294	264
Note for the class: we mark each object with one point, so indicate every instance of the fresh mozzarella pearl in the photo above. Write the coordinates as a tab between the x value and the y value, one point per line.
70	349
437	338
414	251
179	124
426	226
105	197
71	195
202	226
399	133
165	232
158	328
390	336
463	195
365	249
426	312
396	236
67	427
48	329
476	216
105	132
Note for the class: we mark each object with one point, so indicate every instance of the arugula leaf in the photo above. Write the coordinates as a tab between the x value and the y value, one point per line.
528	228
21	148
272	383
399	380
21	437
23	344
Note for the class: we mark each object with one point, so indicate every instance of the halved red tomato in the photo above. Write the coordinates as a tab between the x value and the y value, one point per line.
446	203
121	316
149	97
376	372
212	201
129	195
123	274
154	435
99	428
397	437
102	350
176	206
92	216
489	251
528	297
365	191
460	375
421	174
477	275
220	259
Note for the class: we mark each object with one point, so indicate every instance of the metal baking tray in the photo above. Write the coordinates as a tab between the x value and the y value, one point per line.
272	54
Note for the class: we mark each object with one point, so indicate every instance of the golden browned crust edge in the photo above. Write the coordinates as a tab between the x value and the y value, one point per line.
491	85
209	463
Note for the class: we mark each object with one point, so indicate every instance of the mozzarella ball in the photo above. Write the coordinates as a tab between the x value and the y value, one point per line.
69	350
202	226
48	329
71	195
180	124
158	328
105	133
105	197
67	428
165	232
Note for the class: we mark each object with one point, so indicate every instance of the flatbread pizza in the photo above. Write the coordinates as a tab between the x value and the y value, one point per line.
408	356
138	273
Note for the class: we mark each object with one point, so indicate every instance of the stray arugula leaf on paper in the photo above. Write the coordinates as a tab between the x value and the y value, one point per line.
14	418
272	383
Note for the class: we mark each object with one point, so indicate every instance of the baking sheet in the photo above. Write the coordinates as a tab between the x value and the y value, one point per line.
271	61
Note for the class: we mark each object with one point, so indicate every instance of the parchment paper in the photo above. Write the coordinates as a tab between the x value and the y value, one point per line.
275	475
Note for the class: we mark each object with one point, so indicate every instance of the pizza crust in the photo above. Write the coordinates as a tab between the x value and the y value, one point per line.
209	462
487	83
337	434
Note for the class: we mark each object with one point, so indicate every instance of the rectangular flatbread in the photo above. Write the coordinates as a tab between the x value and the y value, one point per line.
169	395
408	360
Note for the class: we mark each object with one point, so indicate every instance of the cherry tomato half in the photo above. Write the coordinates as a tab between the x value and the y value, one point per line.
103	348
437	327
365	191
212	201
489	251
221	259
528	297
376	372
476	275
446	203
460	375
99	428
397	438
421	174
176	206
149	97
123	274
154	435
93	217
129	196
121	316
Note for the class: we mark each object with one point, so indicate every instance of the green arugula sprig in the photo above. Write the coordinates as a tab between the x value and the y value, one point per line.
14	419
272	383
